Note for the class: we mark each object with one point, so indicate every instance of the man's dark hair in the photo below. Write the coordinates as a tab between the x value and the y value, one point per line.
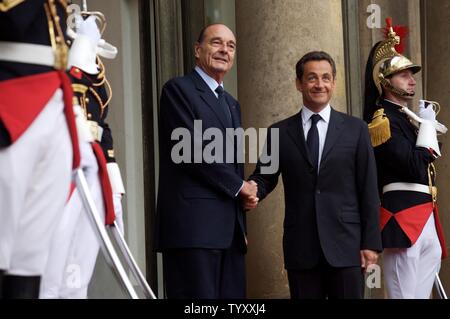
201	36
314	56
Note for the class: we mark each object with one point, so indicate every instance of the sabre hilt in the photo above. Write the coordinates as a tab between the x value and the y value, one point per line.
440	128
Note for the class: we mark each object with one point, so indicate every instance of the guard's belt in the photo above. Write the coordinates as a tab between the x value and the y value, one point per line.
412	187
27	53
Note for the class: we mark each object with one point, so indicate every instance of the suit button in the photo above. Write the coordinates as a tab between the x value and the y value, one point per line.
318	192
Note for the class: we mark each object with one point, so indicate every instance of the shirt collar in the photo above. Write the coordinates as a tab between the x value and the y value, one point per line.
209	80
324	114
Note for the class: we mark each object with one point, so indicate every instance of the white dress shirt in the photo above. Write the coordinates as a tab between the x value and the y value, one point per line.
209	80
322	126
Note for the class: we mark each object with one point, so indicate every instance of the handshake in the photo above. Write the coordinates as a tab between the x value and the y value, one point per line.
249	195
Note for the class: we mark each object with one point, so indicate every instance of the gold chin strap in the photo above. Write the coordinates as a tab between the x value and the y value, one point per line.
388	86
7	5
431	179
59	46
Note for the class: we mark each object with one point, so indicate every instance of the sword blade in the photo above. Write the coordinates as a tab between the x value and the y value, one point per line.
105	242
439	287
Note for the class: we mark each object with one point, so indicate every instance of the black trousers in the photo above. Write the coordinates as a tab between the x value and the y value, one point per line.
326	282
206	273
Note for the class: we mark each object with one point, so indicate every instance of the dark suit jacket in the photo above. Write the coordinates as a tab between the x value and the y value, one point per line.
338	210
399	160
197	206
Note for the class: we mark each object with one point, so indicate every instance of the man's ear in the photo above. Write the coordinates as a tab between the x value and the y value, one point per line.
196	50
298	84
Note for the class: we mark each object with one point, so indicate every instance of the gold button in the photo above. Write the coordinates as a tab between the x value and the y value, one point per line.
87	100
89	115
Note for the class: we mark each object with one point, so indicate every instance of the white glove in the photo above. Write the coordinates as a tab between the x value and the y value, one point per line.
88	28
426	111
117	200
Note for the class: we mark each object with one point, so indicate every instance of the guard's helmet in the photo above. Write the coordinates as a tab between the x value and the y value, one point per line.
383	62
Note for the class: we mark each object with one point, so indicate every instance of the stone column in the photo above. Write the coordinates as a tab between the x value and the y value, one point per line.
437	75
272	36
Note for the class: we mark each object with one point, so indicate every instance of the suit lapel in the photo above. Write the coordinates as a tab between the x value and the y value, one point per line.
208	96
295	130
333	132
235	112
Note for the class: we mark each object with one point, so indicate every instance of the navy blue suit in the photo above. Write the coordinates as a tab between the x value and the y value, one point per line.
331	216
197	209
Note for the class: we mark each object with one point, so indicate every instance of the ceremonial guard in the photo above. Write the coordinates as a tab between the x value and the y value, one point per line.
405	147
38	139
75	243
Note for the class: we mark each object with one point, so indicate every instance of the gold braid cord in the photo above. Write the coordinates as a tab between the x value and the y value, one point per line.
81	101
431	180
7	5
103	80
83	91
59	46
379	128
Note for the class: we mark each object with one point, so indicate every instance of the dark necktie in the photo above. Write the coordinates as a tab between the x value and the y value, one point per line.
223	105
312	140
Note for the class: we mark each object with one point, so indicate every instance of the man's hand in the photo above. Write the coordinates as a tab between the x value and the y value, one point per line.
368	257
248	195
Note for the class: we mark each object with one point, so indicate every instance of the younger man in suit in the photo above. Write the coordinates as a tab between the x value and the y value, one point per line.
328	168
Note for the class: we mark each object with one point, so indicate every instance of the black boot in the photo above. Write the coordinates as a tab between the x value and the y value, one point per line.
21	287
1	283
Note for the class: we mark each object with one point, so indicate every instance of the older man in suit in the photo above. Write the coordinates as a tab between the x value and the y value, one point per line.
331	230
200	224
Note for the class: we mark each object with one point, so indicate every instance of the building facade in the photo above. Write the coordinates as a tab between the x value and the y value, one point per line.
155	38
